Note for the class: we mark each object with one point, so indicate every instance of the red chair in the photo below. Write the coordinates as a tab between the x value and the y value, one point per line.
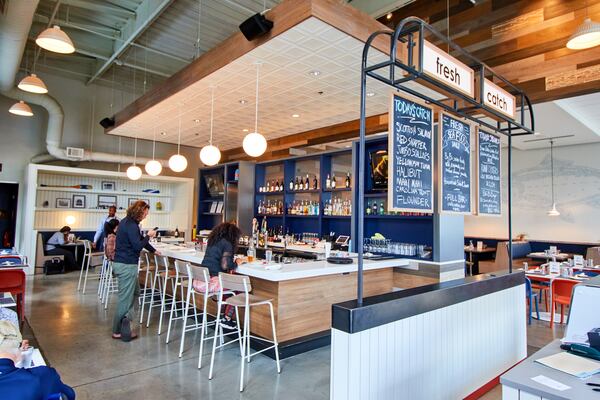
13	281
542	284
562	291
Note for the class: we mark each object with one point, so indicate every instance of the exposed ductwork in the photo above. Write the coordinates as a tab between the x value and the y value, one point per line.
16	23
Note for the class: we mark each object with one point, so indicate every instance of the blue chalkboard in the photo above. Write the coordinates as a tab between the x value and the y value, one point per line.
410	168
455	165
489	198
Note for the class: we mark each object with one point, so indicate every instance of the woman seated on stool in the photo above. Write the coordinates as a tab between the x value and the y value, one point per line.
110	243
222	244
59	238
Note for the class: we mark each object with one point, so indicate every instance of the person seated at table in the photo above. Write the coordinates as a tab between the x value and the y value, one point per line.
110	243
25	384
58	239
221	247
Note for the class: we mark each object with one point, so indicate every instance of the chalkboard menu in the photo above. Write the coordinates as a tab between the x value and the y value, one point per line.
410	168
489	198
455	165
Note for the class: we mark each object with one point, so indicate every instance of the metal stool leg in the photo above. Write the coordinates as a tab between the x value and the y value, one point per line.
275	337
214	346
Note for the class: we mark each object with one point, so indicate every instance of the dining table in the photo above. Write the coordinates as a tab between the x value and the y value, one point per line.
475	254
540	255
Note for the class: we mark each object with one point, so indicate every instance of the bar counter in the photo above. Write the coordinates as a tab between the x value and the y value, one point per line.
303	294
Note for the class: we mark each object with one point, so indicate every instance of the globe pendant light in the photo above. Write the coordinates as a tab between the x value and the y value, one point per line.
553	212
177	162
254	143
210	155
586	36
32	84
21	108
134	172
153	167
55	40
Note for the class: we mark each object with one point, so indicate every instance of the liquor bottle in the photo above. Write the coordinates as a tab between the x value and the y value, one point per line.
236	174
374	208
348	180
368	210
296	184
276	188
176	232
291	185
333	183
281	185
381	209
315	183
268	186
259	208
306	183
328	182
194	232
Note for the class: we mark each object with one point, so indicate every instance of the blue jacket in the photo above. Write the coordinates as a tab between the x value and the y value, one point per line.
35	383
130	242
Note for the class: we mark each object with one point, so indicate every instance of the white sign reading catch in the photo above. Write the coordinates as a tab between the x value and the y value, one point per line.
498	99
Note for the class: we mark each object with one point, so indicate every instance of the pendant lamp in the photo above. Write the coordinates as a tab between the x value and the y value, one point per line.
177	162
553	212
153	167
55	40
254	143
32	84
586	35
21	108
210	155
134	172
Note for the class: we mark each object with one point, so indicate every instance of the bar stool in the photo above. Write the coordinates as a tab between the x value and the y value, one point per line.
179	281
87	262
162	278
110	284
103	277
199	274
146	291
241	283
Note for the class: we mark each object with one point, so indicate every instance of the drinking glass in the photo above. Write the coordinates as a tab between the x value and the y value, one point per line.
250	254
268	255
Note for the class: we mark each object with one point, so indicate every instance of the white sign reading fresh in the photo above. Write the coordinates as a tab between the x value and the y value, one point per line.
447	69
498	99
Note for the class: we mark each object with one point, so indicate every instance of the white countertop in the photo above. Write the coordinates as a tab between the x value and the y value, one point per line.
302	270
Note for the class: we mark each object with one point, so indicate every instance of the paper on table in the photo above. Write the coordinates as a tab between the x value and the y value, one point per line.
571	364
551	383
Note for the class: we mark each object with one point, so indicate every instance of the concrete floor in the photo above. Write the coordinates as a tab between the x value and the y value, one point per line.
73	331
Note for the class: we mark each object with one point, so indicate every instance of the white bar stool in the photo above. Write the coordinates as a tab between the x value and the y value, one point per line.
147	292
163	276
241	283
87	262
179	281
199	274
110	284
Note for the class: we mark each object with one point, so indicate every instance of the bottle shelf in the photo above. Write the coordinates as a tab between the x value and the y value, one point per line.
406	217
301	216
376	194
337	217
343	189
303	191
270	193
269	215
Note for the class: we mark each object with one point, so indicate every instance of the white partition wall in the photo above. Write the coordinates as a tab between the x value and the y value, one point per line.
446	353
47	204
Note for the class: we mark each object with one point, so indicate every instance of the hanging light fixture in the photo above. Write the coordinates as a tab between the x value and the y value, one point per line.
254	143
134	172
56	40
587	35
153	167
21	108
177	162
210	155
553	212
32	84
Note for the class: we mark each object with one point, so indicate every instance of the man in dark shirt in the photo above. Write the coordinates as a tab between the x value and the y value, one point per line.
130	243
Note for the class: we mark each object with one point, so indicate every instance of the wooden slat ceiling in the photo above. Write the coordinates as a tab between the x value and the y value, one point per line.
525	41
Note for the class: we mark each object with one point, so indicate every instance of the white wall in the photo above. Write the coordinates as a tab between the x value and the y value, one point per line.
577	193
22	138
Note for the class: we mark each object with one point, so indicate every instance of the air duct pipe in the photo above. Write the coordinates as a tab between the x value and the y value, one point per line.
16	24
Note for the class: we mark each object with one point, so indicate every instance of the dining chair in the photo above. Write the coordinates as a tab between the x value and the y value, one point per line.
562	291
531	297
146	291
13	281
88	256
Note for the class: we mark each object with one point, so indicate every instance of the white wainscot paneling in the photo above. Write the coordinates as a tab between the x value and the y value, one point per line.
443	354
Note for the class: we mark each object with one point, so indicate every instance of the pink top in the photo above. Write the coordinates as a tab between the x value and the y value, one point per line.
110	245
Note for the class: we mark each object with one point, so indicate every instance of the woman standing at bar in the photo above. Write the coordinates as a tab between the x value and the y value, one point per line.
130	243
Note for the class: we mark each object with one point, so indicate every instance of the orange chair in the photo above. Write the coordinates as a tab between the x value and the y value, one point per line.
562	290
13	281
541	284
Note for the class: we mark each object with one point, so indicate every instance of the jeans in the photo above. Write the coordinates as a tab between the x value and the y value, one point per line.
129	290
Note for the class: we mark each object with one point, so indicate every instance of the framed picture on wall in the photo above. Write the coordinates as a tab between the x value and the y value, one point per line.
63	203
78	201
108	185
132	200
105	201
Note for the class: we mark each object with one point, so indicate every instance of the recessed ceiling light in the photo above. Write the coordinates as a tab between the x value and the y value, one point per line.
244	130
370	94
295	115
315	72
243	101
163	133
197	120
